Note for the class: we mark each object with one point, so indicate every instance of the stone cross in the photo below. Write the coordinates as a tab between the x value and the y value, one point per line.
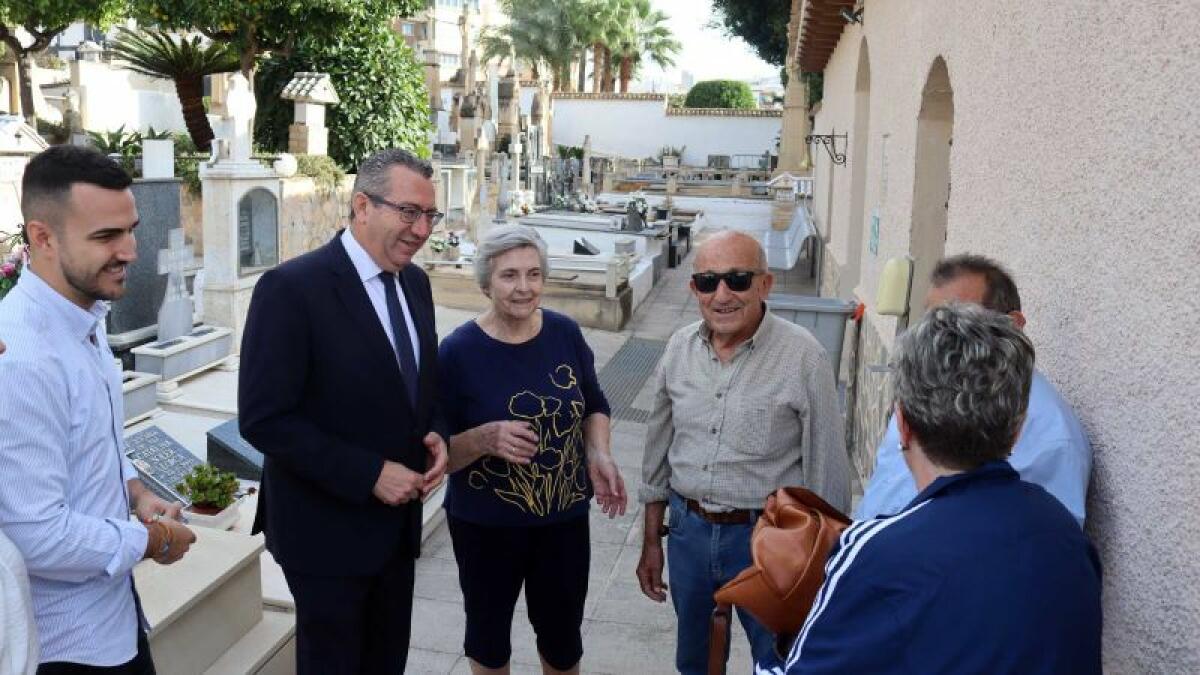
515	149
175	315
464	29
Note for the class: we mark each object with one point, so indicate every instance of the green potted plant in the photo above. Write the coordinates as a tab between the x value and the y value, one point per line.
213	494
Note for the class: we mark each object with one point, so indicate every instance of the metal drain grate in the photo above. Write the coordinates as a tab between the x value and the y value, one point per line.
626	373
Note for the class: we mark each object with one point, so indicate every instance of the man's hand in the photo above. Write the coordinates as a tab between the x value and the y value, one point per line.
650	571
149	507
438	457
179	536
607	483
397	484
515	442
650	564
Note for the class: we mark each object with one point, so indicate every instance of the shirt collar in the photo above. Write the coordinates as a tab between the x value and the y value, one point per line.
363	264
996	470
763	331
79	322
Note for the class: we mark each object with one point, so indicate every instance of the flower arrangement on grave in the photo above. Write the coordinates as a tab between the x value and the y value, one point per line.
12	262
445	247
521	203
210	489
582	203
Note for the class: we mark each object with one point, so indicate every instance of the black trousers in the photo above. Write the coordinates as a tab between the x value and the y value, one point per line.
141	664
550	561
353	625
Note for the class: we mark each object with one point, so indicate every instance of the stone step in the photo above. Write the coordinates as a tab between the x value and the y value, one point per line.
268	648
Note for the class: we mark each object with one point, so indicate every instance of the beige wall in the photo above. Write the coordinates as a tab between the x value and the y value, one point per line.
308	217
1075	163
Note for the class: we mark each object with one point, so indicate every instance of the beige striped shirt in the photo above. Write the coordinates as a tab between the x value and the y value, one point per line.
729	434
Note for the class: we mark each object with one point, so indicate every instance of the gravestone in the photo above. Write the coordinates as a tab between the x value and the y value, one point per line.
633	218
161	462
175	317
228	451
132	319
240	204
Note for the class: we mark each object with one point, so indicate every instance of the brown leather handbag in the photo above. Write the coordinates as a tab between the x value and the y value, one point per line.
789	547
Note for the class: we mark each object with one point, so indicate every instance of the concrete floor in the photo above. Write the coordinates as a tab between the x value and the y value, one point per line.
623	631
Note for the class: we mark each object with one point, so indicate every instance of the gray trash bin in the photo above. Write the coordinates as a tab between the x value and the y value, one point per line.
825	318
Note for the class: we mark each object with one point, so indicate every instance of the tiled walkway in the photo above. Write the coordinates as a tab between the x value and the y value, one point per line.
624	632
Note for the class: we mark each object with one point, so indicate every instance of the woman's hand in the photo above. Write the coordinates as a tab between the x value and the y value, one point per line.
607	483
515	442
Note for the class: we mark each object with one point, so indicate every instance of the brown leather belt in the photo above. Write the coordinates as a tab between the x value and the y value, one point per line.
735	517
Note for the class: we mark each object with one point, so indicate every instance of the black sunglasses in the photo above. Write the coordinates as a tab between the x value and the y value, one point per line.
736	281
409	213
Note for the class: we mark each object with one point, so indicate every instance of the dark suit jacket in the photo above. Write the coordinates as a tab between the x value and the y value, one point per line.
320	395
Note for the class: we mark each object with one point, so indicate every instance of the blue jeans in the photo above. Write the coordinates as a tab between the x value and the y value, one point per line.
702	557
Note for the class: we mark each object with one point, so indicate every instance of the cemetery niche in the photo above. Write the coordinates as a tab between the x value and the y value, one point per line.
258	232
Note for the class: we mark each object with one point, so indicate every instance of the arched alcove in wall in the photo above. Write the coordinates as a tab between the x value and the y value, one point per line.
931	187
859	144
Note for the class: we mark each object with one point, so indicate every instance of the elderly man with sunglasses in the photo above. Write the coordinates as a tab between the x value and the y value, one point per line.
338	390
745	404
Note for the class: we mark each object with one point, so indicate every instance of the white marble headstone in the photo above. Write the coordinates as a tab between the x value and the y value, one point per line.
175	318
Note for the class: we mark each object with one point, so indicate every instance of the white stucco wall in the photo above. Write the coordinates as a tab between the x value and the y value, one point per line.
640	128
1074	163
110	96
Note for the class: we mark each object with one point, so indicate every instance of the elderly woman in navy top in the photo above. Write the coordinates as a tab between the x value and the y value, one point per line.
529	447
981	572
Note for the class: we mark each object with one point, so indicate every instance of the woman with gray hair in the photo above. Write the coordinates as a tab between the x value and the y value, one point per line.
981	572
529	447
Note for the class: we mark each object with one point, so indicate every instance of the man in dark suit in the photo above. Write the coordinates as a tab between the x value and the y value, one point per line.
338	391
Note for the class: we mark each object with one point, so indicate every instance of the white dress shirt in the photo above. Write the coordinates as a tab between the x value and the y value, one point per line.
63	488
368	273
18	634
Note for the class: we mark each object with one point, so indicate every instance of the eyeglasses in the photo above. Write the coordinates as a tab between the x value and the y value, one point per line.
736	280
409	213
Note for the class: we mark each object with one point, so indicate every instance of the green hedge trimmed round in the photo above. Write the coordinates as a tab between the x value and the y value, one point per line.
720	94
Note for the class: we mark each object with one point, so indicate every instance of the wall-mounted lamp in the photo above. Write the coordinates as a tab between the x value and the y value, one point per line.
852	15
830	143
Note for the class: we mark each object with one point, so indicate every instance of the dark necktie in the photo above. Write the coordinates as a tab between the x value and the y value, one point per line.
400	338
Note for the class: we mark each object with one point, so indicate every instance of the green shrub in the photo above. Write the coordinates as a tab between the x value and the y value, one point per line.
325	172
569	151
208	486
720	94
384	103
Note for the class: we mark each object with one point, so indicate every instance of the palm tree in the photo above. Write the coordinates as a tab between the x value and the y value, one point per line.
186	61
540	33
608	19
645	37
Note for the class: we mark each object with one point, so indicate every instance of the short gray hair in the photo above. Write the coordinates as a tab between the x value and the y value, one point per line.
374	172
962	380
500	240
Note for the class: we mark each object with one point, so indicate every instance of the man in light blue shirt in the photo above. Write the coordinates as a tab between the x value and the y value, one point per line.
1052	450
66	488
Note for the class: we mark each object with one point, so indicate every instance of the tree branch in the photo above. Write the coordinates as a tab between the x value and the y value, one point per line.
217	35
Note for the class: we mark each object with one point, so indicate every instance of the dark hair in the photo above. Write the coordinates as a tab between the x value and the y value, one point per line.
1001	294
374	171
48	178
962	378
